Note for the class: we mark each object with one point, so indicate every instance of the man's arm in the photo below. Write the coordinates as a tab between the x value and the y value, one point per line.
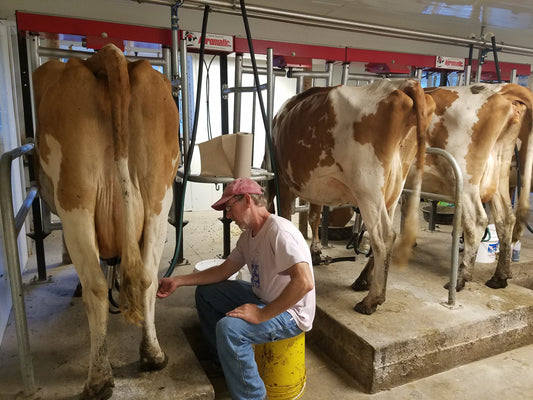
301	282
212	275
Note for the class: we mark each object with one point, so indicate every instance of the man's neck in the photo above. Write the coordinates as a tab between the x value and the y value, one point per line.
259	220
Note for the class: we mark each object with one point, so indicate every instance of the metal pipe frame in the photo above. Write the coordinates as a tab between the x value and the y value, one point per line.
337	24
11	229
184	86
346	76
242	89
457	199
271	83
327	74
238	89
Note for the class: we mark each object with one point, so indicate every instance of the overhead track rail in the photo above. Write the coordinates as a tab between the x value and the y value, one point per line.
337	24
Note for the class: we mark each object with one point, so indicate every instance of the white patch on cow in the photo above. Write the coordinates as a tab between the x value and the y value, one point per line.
360	101
335	188
461	116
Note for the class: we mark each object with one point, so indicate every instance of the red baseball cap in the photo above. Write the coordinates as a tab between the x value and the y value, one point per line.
238	186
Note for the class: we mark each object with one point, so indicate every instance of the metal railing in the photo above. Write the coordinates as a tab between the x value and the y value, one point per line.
456	229
11	228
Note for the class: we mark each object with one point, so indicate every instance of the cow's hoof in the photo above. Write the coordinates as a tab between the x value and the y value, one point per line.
360	285
151	364
317	259
362	308
98	392
495	283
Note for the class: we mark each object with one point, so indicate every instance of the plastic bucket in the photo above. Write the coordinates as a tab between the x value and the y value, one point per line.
487	250
212	262
281	365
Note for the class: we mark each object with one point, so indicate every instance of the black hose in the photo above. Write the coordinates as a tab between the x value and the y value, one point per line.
497	65
470	54
261	102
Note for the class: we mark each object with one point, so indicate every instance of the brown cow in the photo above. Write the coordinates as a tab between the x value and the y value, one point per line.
107	139
479	125
344	145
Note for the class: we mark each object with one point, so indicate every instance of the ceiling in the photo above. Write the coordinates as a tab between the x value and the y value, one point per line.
510	21
508	15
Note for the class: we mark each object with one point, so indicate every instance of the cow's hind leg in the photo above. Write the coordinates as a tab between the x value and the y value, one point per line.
314	223
152	357
382	236
504	220
85	258
364	280
474	222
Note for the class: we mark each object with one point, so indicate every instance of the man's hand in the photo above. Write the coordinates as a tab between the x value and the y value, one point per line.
248	312
166	287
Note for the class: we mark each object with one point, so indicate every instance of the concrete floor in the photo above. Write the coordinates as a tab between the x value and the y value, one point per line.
59	336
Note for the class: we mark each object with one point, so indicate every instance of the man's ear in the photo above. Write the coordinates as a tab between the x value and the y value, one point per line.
248	200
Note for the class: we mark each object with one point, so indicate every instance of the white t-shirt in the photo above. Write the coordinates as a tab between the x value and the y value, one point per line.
275	248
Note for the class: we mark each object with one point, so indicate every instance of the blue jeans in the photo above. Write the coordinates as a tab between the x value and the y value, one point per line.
231	339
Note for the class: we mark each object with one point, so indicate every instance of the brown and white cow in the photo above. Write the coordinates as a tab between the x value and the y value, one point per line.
107	139
479	125
345	145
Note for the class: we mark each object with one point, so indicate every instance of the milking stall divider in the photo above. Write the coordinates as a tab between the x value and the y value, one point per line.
292	60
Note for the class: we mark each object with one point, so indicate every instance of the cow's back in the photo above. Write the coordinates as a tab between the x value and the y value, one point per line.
333	142
79	151
474	124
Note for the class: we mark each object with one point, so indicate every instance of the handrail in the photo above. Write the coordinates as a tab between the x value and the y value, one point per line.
456	230
11	228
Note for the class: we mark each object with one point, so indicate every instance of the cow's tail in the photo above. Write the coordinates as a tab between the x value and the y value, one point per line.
133	278
424	108
522	206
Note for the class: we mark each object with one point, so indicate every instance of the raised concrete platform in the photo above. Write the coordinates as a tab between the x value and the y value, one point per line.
412	335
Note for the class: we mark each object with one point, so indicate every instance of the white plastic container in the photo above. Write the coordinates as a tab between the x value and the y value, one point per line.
210	263
515	254
487	251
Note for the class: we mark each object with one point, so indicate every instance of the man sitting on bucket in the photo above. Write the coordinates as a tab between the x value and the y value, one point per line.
278	303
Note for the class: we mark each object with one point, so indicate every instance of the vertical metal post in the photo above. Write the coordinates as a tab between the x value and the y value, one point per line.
13	265
513	78
468	75
324	227
270	104
238	96
184	86
26	68
329	69
299	84
167	67
480	62
345	72
224	117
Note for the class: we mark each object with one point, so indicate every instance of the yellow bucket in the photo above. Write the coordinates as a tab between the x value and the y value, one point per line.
281	365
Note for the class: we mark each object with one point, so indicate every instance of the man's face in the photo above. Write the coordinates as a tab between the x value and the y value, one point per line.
235	210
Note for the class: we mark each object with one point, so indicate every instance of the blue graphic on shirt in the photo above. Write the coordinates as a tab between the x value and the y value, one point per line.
255	276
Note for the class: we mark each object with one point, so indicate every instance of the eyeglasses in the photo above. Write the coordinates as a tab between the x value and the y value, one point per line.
228	206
